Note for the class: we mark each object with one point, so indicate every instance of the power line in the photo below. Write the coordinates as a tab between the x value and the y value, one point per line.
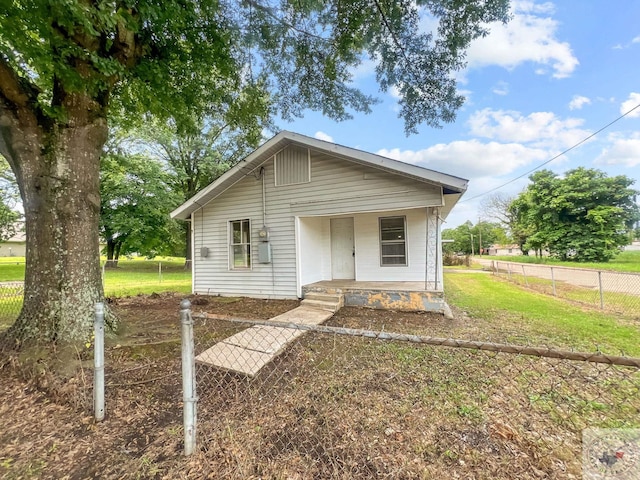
553	158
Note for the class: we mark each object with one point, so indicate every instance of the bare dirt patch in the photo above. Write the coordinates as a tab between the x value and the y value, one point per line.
329	407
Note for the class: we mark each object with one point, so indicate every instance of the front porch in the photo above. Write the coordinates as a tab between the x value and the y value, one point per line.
408	296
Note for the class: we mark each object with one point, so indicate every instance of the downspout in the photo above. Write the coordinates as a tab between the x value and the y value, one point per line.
264	198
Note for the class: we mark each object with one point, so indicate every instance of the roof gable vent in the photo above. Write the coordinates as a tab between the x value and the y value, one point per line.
292	166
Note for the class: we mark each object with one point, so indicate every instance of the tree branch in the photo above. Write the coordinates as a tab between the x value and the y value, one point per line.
126	49
16	91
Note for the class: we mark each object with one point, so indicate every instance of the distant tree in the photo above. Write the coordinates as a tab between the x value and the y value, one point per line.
522	227
469	238
193	160
498	207
584	216
135	201
67	66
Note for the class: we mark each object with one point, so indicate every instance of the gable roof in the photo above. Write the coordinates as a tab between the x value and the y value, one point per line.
450	185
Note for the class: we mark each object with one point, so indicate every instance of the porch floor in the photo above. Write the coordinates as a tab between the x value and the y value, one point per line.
360	285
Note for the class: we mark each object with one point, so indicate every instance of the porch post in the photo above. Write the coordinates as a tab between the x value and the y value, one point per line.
436	213
432	273
426	249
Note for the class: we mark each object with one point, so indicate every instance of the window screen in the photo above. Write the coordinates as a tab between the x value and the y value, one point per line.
393	243
240	244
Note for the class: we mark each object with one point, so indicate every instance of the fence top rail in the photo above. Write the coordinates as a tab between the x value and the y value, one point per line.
546	352
563	267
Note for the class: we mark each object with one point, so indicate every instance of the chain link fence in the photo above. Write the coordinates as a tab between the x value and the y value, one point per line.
301	401
127	278
11	294
608	290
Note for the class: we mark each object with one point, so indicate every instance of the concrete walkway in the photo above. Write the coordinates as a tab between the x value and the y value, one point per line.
248	351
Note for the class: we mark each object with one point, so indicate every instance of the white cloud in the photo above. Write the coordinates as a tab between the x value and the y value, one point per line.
530	36
636	39
623	151
501	88
533	7
470	159
578	101
394	91
365	69
631	102
323	136
539	129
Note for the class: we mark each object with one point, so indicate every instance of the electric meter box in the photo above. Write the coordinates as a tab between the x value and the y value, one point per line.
264	252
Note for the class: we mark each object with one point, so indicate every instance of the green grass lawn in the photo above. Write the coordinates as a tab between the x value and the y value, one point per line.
11	271
129	278
625	262
537	319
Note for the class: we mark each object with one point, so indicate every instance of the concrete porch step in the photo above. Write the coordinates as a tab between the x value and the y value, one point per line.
325	301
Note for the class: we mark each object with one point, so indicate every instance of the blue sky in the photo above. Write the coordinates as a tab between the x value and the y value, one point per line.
557	73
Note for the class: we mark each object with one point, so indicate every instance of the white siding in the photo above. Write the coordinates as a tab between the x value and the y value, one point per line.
368	266
244	200
337	187
315	253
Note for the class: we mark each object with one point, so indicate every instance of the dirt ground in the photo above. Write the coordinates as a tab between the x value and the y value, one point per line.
361	417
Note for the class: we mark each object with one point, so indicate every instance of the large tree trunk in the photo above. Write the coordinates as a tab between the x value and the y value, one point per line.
57	166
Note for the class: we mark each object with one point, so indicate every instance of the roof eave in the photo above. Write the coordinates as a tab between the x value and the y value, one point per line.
449	183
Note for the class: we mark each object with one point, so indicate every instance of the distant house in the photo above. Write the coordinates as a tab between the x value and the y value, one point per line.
504	250
14	246
301	214
633	247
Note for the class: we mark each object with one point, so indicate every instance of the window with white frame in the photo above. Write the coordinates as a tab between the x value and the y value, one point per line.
240	244
393	241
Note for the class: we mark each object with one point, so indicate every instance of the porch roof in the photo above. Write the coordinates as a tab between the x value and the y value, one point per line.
450	184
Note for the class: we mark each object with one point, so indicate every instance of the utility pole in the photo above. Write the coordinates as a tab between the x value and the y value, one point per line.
472	251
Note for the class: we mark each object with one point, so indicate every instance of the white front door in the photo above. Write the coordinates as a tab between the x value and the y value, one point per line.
343	265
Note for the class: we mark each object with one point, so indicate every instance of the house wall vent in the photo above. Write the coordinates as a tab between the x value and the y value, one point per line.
292	166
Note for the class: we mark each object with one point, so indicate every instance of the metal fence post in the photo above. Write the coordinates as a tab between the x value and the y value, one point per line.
600	288
188	378
553	282
526	282
98	362
159	272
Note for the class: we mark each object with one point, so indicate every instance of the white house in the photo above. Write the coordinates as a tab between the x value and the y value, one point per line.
16	245
300	213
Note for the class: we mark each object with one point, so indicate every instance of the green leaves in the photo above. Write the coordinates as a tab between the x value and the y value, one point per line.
8	197
584	216
135	203
177	56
